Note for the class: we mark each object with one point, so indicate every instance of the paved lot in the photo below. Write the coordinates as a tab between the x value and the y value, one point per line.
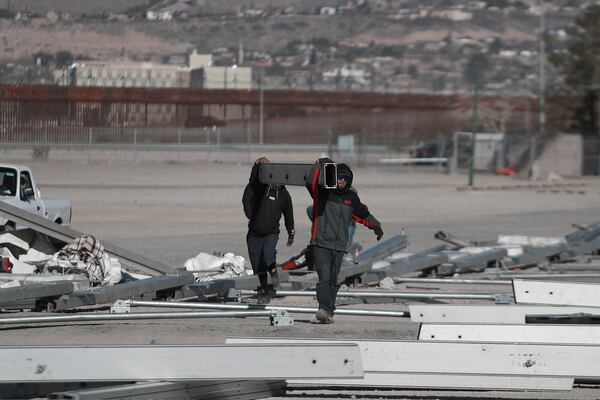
171	211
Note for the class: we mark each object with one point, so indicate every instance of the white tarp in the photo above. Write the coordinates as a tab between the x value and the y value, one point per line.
216	266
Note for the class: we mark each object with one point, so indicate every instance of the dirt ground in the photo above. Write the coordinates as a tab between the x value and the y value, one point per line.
172	211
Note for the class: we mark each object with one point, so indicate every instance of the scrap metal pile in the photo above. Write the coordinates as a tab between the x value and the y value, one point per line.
535	331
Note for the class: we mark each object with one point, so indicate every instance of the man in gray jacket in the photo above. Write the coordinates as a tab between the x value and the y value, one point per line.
333	211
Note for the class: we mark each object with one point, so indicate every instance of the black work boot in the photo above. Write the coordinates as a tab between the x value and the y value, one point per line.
263	296
274	276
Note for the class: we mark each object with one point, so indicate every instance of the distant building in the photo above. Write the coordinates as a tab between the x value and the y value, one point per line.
159	15
130	74
232	77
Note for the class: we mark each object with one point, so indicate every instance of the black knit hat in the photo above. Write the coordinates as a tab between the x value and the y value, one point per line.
344	172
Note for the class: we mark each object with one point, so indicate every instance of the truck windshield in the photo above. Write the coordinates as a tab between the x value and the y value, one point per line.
8	182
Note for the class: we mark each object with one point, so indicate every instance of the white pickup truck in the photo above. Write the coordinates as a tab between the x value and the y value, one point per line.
18	188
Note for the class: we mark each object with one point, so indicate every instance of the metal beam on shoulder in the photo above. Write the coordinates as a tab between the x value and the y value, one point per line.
66	234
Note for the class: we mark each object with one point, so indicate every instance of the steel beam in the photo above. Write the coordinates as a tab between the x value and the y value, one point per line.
297	174
452	281
586	247
143	288
201	390
467	262
440	381
452	239
290	309
133	317
427	357
66	234
557	334
583	234
35	291
176	363
539	254
389	295
556	293
485	314
405	265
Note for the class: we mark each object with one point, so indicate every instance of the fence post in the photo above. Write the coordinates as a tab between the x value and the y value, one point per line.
532	154
90	140
179	142
134	145
454	161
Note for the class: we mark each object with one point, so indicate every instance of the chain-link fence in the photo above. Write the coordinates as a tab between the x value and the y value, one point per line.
566	154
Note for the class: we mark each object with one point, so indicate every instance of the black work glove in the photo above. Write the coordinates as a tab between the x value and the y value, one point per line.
378	231
290	240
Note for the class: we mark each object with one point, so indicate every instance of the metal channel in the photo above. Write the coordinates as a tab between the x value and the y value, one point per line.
66	234
453	381
138	363
486	314
180	390
299	310
425	357
556	293
35	291
563	334
136	289
388	295
134	316
454	281
297	174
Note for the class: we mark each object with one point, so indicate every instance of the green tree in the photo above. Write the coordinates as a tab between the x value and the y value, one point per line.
475	68
579	64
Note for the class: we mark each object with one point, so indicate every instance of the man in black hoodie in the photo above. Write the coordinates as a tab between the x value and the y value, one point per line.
333	211
264	205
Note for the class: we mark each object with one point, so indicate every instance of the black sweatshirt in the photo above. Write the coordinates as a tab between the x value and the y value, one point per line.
264	205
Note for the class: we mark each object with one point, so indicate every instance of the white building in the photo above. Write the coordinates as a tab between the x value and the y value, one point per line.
130	74
159	15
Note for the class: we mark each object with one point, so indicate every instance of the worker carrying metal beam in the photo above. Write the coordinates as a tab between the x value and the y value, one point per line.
264	204
333	212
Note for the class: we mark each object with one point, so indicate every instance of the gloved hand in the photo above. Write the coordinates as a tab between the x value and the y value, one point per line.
378	231
290	240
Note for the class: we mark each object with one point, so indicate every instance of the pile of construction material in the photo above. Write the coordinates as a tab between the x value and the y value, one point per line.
533	331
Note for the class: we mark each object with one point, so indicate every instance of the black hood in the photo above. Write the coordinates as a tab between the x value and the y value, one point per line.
344	172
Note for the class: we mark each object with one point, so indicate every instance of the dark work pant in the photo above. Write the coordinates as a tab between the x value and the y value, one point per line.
262	251
327	263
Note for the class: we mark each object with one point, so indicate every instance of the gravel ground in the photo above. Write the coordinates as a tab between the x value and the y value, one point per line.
171	211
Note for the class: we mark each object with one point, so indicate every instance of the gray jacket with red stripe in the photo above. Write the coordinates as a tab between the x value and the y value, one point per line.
333	211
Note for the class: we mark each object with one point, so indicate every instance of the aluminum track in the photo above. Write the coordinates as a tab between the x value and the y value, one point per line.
486	314
226	390
136	363
455	365
546	333
556	293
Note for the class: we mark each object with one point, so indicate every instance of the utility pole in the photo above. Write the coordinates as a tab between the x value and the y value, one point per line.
474	128
261	108
542	73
